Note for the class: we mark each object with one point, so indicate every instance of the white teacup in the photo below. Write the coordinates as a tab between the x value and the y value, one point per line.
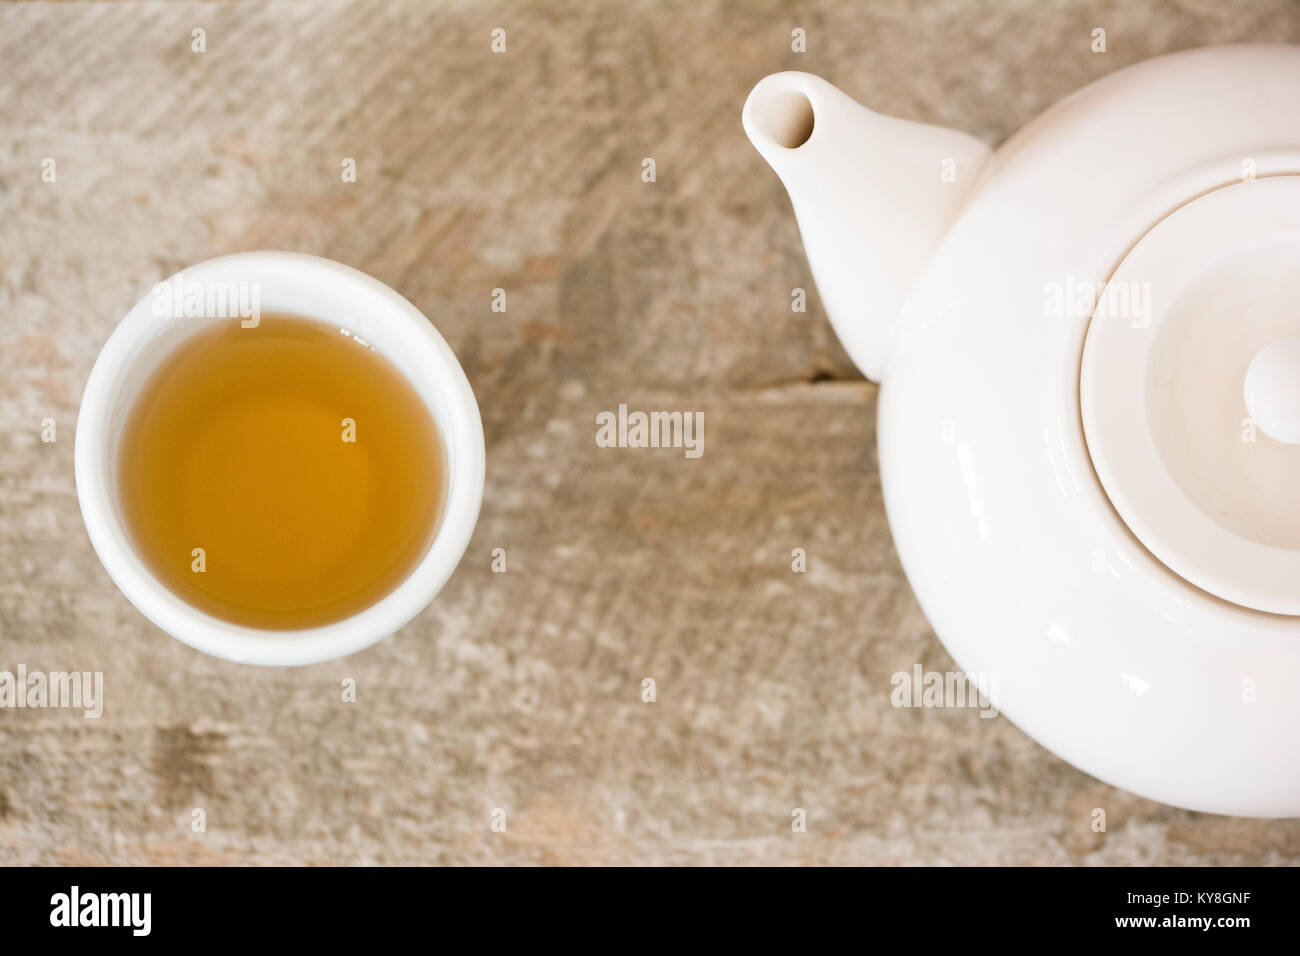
335	295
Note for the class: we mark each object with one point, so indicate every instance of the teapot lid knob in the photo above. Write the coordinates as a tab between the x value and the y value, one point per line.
1272	390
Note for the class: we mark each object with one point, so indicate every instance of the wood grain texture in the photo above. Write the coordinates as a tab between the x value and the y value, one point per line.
522	690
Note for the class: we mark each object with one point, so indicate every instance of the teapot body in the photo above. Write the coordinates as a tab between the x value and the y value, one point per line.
1016	553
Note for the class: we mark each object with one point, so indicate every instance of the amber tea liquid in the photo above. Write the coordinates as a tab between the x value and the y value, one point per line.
281	476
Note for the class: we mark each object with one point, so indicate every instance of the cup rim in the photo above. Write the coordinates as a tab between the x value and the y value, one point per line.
459	420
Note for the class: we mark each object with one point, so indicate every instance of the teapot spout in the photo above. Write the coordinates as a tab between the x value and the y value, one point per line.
873	196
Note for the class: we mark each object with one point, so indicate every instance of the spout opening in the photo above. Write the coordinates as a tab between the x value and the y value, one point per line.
788	119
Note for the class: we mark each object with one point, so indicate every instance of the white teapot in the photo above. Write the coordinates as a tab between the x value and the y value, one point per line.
1088	345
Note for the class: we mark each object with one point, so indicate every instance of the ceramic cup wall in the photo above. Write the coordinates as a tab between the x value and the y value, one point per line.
337	296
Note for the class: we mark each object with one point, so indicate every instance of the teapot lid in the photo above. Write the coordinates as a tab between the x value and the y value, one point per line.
1190	392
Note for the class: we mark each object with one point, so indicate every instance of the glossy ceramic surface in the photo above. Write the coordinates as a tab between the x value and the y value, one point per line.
1025	568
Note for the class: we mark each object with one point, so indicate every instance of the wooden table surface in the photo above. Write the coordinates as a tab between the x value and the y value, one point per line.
522	691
